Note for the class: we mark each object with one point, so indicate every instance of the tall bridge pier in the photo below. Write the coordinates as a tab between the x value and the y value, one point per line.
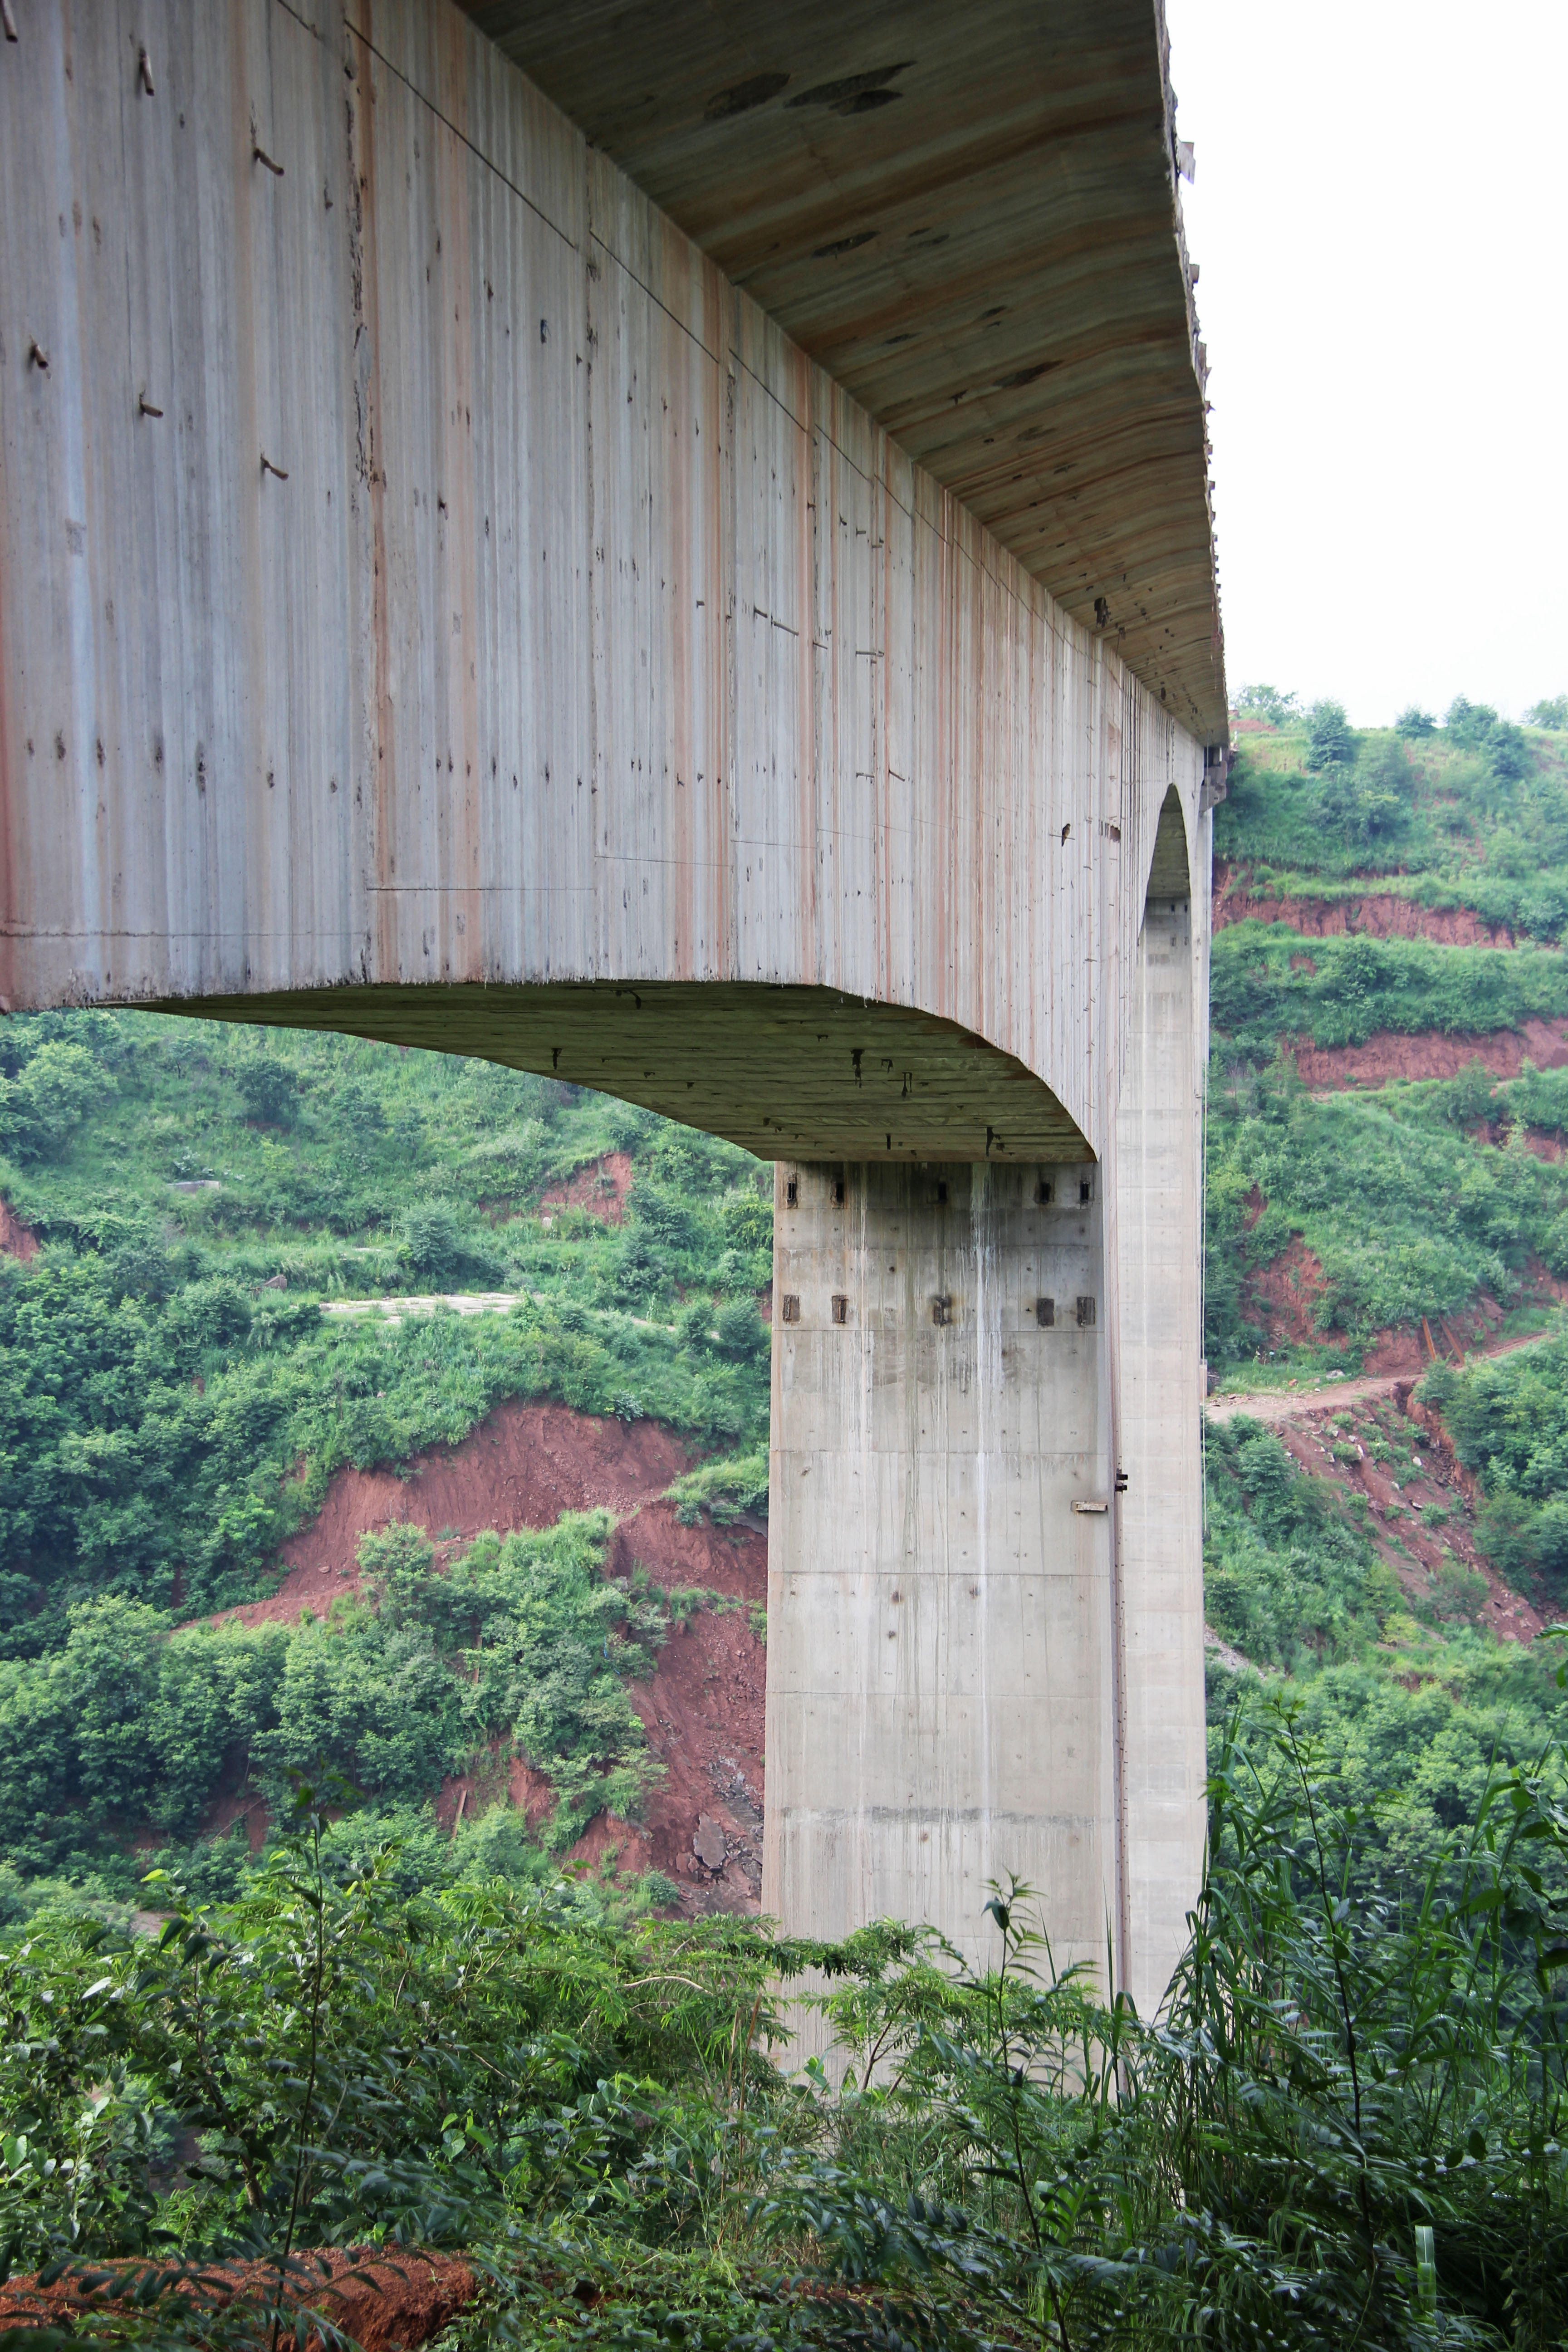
675	553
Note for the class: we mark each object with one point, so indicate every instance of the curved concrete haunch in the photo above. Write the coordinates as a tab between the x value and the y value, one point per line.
436	602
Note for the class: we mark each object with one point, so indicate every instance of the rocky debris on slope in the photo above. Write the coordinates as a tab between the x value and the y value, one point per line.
385	2302
704	1709
1216	1646
710	1844
1420	1511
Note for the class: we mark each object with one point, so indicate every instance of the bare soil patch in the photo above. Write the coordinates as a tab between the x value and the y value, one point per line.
522	1467
17	1240
1539	1140
1389	1054
1285	1294
1378	913
602	1187
703	1706
704	1710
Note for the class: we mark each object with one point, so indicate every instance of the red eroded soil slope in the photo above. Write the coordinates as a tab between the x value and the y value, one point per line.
1380	914
703	1710
1390	1053
522	1467
1415	1549
17	1240
703	1706
601	1188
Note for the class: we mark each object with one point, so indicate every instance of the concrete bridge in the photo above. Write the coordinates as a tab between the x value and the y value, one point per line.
672	547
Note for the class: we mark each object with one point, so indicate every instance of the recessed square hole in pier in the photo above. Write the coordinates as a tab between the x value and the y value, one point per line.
1085	1314
1043	1192
838	1191
789	1312
840	1307
1086	1189
942	1310
941	1196
792	1191
1044	1313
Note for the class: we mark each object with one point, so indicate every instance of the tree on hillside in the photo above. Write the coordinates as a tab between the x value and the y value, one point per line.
1332	740
269	1090
433	1243
1469	723
1267	702
59	1086
1552	711
1370	801
1508	752
1414	720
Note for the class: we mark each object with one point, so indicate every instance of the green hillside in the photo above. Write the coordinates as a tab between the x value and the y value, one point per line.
1386	1571
1416	1196
177	1401
1471	813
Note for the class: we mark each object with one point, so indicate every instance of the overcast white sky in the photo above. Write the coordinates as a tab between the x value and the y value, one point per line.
1379	218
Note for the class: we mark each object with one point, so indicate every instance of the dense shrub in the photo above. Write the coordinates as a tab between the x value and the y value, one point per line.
1341	2127
1332	740
1263	990
519	1641
1509	1421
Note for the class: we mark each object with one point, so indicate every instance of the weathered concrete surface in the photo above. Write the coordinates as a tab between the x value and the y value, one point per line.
968	216
436	602
985	1604
941	1606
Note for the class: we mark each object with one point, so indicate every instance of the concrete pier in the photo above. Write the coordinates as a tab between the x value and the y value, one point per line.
941	1699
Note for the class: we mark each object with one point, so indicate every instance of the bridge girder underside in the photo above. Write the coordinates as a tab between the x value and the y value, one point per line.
804	1073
